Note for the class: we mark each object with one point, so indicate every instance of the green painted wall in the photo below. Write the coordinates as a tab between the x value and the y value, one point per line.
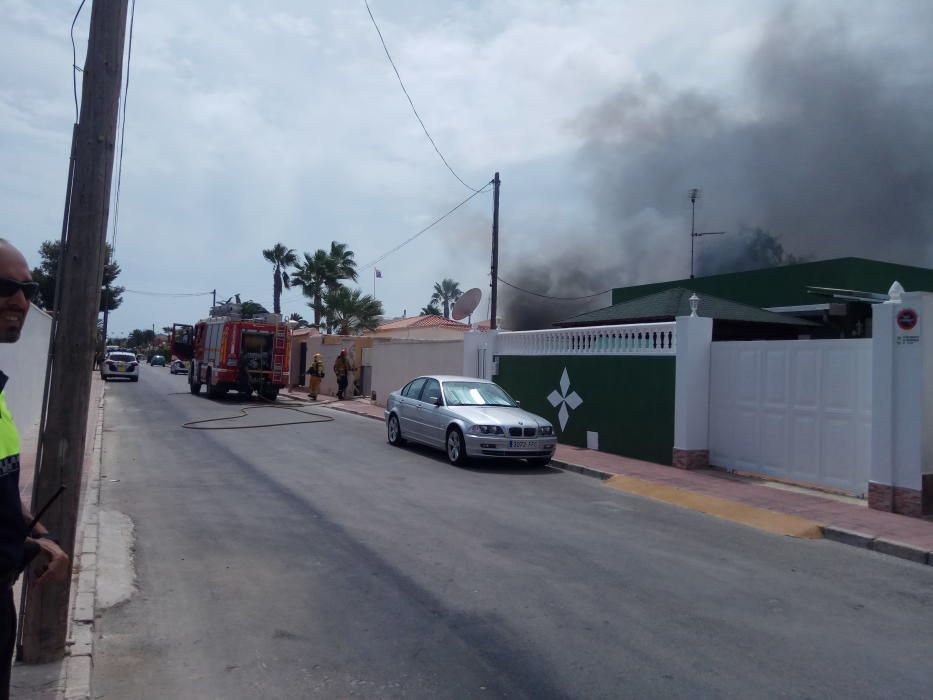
629	401
787	285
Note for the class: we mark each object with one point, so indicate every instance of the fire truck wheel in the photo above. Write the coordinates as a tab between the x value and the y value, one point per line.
193	385
270	393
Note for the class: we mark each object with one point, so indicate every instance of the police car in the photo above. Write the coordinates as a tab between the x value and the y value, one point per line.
120	364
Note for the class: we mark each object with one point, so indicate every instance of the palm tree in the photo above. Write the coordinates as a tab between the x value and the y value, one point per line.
281	257
350	312
431	309
446	292
299	319
344	265
316	274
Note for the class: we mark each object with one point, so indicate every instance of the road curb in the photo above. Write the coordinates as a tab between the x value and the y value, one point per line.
851	537
904	551
881	545
581	469
79	664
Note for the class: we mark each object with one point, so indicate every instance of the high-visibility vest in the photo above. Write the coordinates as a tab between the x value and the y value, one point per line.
12	527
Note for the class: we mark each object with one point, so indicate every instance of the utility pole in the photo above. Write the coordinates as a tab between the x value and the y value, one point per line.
214	302
493	297
82	270
694	194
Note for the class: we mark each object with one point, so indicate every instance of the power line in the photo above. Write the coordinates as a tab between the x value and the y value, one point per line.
74	59
413	109
168	294
434	223
126	90
547	296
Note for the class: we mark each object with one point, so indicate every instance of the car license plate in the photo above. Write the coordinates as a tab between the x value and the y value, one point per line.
523	444
121	369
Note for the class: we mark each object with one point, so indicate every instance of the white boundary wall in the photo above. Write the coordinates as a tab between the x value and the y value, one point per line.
631	339
798	410
396	363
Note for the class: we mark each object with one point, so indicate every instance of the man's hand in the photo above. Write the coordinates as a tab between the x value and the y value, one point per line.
55	567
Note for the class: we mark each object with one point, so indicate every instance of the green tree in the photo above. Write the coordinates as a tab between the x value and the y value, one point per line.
316	274
321	274
136	338
282	258
47	272
431	309
252	308
446	292
350	312
344	264
299	319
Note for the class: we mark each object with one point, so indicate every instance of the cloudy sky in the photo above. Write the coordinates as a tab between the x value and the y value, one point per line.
255	123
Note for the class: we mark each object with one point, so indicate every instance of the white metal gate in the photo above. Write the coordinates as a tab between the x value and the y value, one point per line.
794	409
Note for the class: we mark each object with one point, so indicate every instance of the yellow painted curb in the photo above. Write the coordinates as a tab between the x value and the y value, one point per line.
767	520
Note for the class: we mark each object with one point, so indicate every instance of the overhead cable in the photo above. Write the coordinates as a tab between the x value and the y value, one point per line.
74	60
168	294
413	109
434	223
126	90
547	296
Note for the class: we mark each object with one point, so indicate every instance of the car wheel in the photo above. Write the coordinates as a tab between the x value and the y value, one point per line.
394	432
456	449
539	461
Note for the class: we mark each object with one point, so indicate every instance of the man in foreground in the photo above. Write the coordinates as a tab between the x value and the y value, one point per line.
17	546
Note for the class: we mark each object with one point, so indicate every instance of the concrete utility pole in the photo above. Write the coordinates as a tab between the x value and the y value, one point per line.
81	275
494	296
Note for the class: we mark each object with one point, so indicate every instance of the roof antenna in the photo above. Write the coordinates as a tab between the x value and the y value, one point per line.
694	195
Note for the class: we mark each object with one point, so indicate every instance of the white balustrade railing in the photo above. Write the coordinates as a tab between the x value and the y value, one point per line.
633	339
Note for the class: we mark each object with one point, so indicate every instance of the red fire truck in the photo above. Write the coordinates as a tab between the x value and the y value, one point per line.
227	352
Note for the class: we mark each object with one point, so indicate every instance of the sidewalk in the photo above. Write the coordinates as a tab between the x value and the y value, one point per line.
757	502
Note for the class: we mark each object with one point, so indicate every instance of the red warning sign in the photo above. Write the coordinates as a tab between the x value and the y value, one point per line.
906	319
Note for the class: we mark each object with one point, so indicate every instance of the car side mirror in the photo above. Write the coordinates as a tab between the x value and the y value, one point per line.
438	401
518	403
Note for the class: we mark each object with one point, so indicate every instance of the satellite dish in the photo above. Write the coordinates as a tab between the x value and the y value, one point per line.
466	304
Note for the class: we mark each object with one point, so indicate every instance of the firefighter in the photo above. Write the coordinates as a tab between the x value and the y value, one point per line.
342	367
17	546
315	374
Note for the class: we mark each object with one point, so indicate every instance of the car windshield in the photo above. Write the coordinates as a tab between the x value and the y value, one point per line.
121	357
476	394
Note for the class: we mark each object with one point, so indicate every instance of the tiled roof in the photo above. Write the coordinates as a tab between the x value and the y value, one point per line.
421	322
675	302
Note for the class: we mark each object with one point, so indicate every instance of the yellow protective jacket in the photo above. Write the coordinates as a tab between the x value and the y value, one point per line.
12	527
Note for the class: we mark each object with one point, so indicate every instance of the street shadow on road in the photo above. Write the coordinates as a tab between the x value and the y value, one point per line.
483	466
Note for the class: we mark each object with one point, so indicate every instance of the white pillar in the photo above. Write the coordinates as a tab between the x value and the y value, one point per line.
901	477
691	402
478	350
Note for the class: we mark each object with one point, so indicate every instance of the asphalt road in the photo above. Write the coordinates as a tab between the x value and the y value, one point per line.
318	561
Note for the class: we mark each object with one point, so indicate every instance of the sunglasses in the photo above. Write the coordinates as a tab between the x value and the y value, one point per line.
9	288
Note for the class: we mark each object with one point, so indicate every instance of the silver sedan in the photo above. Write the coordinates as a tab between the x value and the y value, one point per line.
467	417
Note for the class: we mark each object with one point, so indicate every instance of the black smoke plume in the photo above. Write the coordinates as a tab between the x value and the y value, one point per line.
831	155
